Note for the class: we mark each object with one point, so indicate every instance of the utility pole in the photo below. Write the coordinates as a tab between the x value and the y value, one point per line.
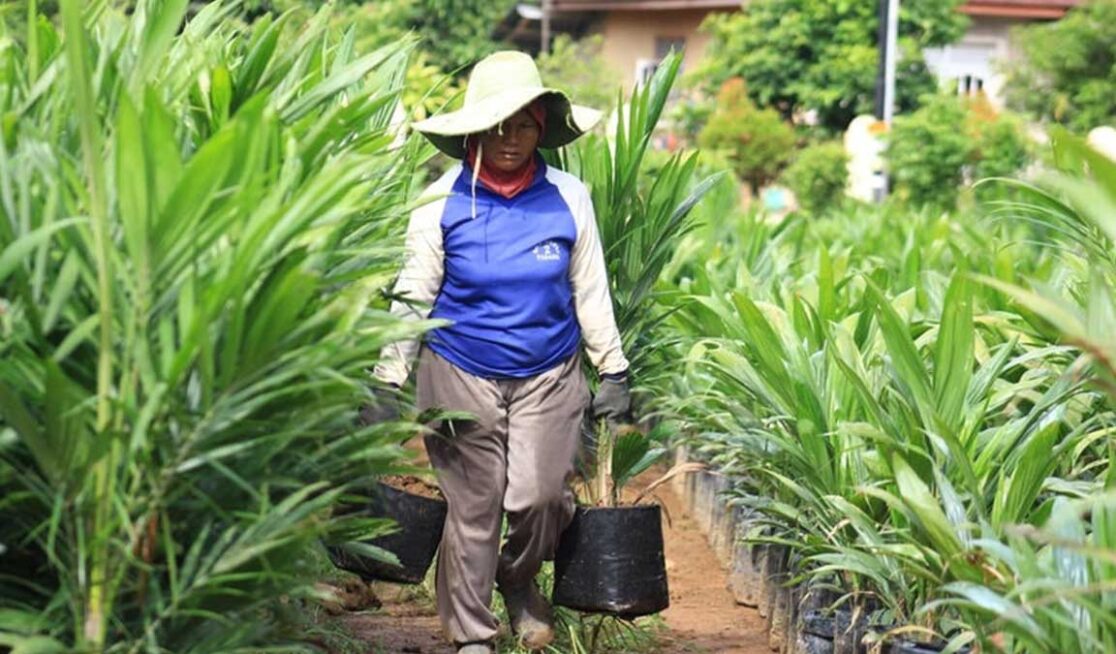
892	55
544	38
888	40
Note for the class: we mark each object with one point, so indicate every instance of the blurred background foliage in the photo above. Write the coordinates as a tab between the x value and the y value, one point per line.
821	56
1068	69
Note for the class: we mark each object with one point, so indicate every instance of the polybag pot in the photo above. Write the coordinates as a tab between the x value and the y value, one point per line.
794	607
762	554
814	634
420	521
743	569
847	633
610	560
725	532
774	563
780	614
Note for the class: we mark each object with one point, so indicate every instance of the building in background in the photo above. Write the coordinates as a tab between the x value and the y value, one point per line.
972	65
638	33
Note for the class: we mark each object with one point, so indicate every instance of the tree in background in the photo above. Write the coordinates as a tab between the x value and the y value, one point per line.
455	34
1067	73
756	141
579	68
799	55
932	151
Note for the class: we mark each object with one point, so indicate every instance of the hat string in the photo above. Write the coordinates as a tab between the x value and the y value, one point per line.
476	173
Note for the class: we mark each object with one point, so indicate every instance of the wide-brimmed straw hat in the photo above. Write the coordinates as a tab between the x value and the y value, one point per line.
500	85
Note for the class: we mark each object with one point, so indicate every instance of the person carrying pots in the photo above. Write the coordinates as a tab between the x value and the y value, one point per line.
506	251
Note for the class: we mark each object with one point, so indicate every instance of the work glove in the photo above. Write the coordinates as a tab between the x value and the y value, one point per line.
614	400
384	406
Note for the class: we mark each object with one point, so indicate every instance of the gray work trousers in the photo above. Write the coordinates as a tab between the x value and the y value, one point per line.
515	457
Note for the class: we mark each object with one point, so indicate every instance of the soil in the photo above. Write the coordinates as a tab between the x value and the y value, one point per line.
413	485
407	623
702	618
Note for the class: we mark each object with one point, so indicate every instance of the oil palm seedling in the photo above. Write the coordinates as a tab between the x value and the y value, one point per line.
885	414
196	218
639	229
1055	589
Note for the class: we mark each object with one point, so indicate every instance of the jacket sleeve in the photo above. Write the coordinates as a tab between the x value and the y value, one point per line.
419	283
592	300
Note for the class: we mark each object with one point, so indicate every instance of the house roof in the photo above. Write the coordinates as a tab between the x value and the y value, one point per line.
1034	9
637	5
1004	8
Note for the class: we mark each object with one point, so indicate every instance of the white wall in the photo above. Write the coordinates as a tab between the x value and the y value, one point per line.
979	54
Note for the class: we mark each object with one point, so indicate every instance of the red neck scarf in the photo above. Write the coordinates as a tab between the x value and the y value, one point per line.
508	184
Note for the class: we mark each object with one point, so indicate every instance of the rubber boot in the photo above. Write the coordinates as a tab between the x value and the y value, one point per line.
530	615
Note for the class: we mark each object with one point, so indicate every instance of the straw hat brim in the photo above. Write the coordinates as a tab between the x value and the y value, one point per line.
565	121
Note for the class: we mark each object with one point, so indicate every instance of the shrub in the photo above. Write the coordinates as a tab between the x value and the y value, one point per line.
819	176
579	68
926	152
1001	147
1066	72
757	141
932	151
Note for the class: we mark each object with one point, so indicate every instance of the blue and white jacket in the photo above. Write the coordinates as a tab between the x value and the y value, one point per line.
522	280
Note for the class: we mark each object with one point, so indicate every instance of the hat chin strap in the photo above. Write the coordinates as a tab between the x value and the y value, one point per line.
476	173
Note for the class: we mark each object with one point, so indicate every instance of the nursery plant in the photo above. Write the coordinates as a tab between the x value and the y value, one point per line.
896	417
640	227
192	250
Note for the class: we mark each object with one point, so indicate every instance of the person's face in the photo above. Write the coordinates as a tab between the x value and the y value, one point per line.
509	146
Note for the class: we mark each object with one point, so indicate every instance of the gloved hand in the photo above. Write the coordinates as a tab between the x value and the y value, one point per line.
383	408
614	400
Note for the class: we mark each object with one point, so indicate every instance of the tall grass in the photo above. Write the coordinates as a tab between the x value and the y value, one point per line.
196	217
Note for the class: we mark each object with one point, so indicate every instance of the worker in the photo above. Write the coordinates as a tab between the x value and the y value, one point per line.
505	250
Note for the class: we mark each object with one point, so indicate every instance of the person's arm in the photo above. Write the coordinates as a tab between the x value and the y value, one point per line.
419	283
592	300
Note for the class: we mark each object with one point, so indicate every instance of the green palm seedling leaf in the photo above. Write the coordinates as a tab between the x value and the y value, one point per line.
632	454
905	358
1021	483
953	355
926	510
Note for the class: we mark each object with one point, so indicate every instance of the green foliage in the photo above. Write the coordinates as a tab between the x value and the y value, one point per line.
429	90
926	151
195	218
454	33
799	55
933	150
579	69
757	141
1067	71
640	225
818	176
1002	148
922	405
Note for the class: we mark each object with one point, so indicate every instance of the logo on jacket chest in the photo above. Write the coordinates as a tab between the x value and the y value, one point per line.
548	251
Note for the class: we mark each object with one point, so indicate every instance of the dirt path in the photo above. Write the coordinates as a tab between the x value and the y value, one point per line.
406	624
702	618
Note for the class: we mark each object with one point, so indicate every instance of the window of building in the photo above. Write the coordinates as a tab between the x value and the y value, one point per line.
646	67
664	44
